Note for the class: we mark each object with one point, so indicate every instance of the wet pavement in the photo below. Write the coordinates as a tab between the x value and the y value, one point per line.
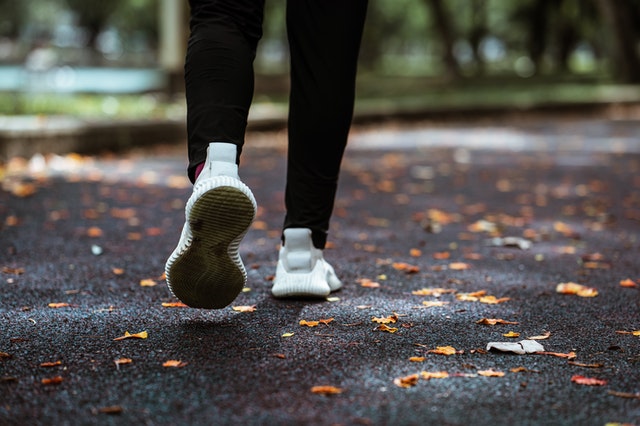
430	223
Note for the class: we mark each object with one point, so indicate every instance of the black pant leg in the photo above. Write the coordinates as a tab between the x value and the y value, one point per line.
219	75
324	38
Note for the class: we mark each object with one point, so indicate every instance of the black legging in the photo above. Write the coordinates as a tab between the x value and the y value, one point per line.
324	40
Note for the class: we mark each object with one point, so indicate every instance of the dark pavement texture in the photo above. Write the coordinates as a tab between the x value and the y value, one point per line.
95	228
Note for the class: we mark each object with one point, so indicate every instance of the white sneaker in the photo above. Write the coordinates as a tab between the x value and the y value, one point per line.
302	270
205	269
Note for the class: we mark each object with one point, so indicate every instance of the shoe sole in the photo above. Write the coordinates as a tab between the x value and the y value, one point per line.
208	272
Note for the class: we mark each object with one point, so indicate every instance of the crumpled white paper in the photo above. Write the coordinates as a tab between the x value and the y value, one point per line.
522	347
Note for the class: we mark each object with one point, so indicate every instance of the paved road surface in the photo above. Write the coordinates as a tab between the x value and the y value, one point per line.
420	208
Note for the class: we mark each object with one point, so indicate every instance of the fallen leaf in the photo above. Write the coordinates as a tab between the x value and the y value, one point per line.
570	355
51	364
384	327
427	375
471	297
52	380
433	303
288	334
624	394
325	321
368	283
511	334
522	370
244	308
326	390
174	363
117	271
4	355
122	361
127	335
577	289
148	282
405	267
544	336
580	364
588	381
58	305
407	381
94	232
492	300
445	350
522	347
635	333
386	320
494	321
417	359
309	323
12	271
414	252
459	266
112	409
628	283
490	373
431	291
442	255
174	305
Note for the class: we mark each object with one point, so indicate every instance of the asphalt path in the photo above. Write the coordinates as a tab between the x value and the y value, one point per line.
430	223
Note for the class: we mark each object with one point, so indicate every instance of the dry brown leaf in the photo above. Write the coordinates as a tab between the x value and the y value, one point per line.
405	267
244	308
441	255
309	323
52	380
492	300
94	232
624	394
384	327
368	283
127	335
427	375
326	390
544	336
174	363
386	320
433	303
407	381
112	409
57	305
12	271
117	271
588	381
634	333
580	364
577	289
51	364
471	297
570	355
417	359
494	321
325	321
629	283
122	361
414	252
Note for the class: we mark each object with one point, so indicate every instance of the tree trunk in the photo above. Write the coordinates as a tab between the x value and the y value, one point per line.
618	15
446	35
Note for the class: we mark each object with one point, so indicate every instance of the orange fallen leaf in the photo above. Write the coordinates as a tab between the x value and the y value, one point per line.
384	327
122	361
492	300
491	373
309	323
628	283
540	337
511	334
441	255
112	409
22	189
117	271
94	232
51	364
570	355
635	333
12	271
522	370
588	381
368	283
459	266
174	363
245	308
427	375
407	381
52	380
417	359
432	291
494	321
471	297
414	252
174	305
325	321
386	320
433	303
127	335
326	390
577	289
57	305
148	282
581	364
405	267
444	350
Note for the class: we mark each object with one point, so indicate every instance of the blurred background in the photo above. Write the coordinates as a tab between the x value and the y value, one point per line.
123	58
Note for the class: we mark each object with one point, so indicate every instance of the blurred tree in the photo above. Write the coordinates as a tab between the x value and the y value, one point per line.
444	24
93	16
623	20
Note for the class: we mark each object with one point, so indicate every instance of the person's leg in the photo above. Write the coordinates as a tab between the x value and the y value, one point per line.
324	38
205	269
219	77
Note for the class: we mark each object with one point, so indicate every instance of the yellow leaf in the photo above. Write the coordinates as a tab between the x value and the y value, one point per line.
246	308
492	300
51	364
444	350
459	266
511	334
58	305
541	337
634	333
434	375
471	297
127	335
148	282
309	323
417	359
326	390
368	283
577	289
491	373
386	320
434	303
288	334
384	327
174	305
494	321
435	292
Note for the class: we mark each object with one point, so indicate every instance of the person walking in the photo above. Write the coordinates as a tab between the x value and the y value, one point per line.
205	269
